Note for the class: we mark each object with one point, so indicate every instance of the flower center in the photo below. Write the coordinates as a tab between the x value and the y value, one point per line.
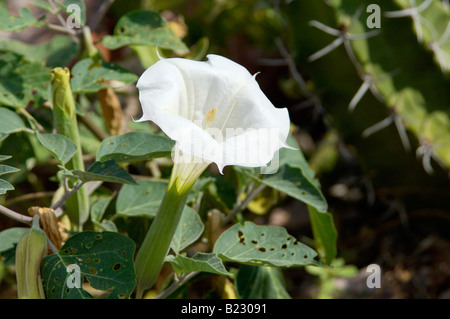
209	118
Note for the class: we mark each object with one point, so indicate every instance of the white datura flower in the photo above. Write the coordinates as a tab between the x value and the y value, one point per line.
216	113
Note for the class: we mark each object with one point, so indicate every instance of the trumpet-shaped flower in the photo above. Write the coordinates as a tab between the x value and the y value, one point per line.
214	110
216	113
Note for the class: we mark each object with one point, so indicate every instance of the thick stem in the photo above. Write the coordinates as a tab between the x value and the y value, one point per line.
154	249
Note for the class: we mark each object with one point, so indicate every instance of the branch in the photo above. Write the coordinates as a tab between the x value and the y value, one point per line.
16	216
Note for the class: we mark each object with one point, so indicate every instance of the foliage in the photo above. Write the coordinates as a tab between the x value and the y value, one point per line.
363	78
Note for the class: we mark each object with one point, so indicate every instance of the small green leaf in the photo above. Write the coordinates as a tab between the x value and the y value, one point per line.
293	182
15	24
134	146
11	236
189	229
143	28
256	245
325	234
10	122
6	169
59	145
141	200
108	171
205	262
105	260
254	282
90	76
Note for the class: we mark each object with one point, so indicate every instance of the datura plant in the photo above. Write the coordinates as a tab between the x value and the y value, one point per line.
216	148
216	113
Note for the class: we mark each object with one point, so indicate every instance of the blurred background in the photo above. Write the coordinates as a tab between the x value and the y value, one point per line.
367	88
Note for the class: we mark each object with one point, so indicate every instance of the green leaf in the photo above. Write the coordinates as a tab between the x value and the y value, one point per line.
143	28
325	234
141	200
21	82
59	51
189	229
293	182
43	5
59	145
134	146
5	186
90	76
256	245
254	282
6	169
108	171
15	24
105	260
10	122
11	236
205	262
98	208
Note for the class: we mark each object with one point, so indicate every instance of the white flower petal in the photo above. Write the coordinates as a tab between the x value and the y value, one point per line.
242	127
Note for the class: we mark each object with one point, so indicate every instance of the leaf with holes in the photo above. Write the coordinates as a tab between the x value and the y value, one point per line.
104	259
143	28
325	234
11	23
90	76
257	245
6	169
254	282
205	262
134	146
189	229
59	145
108	171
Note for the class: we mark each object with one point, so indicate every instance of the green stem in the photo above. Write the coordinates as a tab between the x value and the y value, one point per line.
154	249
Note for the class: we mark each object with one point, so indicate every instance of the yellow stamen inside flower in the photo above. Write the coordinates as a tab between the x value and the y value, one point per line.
209	118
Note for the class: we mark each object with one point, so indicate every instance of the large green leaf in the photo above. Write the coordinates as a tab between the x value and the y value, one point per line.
59	145
143	28
10	237
56	52
325	234
90	76
189	229
205	262
254	282
134	146
263	245
108	171
141	200
11	23
10	122
105	260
